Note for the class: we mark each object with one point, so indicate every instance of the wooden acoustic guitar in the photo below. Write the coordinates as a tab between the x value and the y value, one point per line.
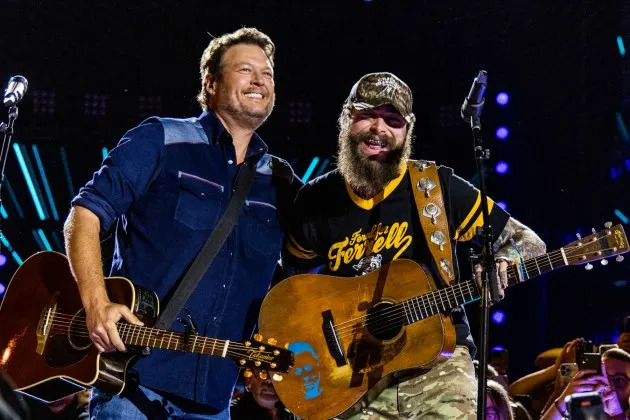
46	350
352	336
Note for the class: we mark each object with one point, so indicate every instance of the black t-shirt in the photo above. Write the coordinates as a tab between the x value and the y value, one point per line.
345	235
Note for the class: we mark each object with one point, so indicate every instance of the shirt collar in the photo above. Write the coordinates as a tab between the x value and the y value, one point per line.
215	129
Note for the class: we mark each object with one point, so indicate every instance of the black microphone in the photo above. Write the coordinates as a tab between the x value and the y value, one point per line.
15	90
473	104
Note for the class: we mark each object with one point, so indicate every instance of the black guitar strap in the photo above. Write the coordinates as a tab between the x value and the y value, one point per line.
242	186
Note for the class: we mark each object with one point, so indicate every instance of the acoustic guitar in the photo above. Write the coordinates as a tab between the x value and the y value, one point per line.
352	336
46	350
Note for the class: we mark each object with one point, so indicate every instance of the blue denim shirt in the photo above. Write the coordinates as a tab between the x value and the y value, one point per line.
163	196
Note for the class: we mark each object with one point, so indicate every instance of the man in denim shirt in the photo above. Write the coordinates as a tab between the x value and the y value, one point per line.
163	189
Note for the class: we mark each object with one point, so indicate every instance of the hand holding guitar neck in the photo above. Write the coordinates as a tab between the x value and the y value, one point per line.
101	319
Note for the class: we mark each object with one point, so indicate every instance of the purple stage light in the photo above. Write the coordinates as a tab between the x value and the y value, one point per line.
3	259
498	348
503	98
2	288
502	167
502	133
502	205
498	317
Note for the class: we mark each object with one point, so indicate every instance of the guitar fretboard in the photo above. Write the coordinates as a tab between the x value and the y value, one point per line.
442	300
138	335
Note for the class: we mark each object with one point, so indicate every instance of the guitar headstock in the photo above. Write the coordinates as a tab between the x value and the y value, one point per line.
257	355
597	246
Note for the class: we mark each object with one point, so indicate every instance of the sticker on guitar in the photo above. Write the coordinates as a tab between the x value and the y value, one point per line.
307	368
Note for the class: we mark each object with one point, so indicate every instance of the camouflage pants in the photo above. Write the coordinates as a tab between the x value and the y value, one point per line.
448	391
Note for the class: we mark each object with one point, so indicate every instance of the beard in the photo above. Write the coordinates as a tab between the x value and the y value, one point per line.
368	175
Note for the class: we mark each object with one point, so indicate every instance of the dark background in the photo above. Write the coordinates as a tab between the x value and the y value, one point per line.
559	61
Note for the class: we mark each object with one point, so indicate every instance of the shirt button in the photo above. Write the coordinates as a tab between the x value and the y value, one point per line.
230	161
224	286
214	318
203	194
231	253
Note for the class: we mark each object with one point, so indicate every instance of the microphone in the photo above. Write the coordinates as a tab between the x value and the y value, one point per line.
15	90
473	104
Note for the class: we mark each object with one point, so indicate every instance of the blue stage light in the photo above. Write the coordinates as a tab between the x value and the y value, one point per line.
622	48
498	317
502	205
502	167
2	288
310	169
503	98
621	216
3	259
498	348
502	133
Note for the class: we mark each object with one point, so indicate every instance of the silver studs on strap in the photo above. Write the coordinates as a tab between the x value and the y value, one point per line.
433	211
426	184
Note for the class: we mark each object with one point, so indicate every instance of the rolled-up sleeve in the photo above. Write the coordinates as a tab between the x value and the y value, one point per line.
126	173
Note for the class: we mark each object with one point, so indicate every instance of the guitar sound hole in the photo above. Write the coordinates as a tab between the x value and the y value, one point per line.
384	320
77	332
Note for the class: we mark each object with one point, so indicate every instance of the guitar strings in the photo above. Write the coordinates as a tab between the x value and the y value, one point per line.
62	322
556	260
395	310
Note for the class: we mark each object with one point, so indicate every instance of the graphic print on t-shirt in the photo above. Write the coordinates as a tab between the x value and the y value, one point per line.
363	250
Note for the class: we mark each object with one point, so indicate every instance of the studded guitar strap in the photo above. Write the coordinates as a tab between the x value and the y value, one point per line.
427	193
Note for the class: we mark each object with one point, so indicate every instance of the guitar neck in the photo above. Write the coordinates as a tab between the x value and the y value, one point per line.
138	335
442	300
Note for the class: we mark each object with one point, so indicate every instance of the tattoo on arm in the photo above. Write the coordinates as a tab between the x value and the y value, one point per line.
529	244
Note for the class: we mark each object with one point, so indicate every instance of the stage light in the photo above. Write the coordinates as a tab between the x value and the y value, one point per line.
502	167
44	179
621	216
498	348
310	169
502	133
498	317
622	48
3	259
620	283
104	152
613	173
66	170
2	288
502	205
95	104
503	98
29	181
621	127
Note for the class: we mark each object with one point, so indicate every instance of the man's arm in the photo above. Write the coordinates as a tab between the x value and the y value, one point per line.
81	231
528	244
516	242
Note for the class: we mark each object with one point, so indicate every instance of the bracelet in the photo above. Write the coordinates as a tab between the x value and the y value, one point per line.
564	414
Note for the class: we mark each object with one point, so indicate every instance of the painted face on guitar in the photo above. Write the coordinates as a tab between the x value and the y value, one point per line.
307	368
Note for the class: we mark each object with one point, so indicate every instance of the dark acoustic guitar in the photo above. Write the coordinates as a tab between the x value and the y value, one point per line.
46	350
352	336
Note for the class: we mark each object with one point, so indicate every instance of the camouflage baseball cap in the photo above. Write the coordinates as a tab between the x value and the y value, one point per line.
376	89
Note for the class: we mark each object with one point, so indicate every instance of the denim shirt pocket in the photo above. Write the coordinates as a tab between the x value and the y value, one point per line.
263	228
199	201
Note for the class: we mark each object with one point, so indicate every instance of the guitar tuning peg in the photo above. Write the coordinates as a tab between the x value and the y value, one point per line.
588	267
286	346
608	225
248	373
604	261
593	230
262	375
277	377
619	258
258	337
272	341
578	236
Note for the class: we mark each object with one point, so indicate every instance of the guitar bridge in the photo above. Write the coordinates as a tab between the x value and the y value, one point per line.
332	339
45	324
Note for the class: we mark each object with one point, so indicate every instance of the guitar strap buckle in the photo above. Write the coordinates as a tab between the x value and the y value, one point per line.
433	218
189	323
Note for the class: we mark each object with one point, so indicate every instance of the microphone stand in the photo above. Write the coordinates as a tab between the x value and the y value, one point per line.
489	286
7	130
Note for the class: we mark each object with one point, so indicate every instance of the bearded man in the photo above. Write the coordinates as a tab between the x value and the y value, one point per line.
368	201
